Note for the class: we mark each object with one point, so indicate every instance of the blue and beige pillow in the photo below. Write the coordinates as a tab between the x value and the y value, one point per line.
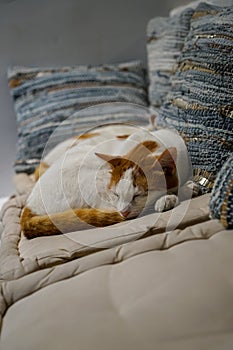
221	202
165	41
200	102
45	98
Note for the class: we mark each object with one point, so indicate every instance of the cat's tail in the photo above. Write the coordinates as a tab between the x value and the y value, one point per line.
71	220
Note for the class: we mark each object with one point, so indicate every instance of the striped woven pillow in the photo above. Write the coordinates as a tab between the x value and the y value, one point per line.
200	104
46	97
165	41
221	201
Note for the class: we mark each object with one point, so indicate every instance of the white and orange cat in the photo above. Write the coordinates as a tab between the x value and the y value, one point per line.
105	177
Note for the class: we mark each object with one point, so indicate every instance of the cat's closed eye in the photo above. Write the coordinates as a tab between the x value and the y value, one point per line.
139	195
136	195
115	196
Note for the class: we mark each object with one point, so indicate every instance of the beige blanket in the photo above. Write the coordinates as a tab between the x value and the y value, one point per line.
163	281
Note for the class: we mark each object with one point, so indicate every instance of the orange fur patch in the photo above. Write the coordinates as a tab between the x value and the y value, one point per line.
71	220
122	137
142	151
87	136
133	159
119	167
40	170
149	172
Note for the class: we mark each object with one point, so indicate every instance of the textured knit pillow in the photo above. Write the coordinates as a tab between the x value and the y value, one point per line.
45	97
221	202
165	40
200	105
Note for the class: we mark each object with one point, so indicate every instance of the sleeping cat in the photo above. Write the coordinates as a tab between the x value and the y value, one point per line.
105	177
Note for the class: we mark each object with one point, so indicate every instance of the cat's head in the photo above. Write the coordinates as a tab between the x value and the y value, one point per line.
138	174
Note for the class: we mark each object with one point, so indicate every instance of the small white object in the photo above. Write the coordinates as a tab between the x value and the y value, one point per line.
167	202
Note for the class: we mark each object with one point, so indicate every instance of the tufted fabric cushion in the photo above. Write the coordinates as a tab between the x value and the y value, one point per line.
169	290
200	104
221	201
45	97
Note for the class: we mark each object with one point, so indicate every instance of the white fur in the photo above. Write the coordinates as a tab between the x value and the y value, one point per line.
166	202
125	191
78	178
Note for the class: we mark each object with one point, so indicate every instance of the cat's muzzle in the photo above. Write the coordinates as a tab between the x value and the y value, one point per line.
126	211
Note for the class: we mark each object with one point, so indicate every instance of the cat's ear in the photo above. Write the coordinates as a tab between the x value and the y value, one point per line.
112	160
166	161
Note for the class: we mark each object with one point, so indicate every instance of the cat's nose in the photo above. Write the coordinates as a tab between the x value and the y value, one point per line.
125	213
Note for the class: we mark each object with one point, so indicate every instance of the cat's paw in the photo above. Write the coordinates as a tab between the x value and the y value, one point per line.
167	202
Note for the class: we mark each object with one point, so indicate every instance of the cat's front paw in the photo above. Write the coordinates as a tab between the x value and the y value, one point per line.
167	202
